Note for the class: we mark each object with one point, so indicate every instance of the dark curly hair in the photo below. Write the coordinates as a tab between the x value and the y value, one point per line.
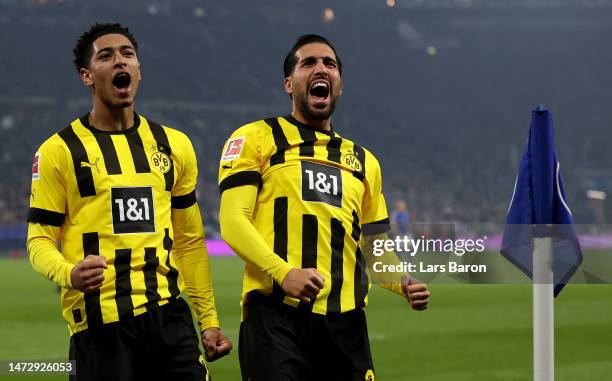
291	59
84	46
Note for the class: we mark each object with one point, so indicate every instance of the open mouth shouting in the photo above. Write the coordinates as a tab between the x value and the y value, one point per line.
122	81
319	93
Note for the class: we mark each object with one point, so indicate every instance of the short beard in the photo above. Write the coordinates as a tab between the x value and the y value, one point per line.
314	114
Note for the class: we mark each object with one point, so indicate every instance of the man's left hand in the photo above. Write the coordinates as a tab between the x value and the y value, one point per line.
416	292
216	345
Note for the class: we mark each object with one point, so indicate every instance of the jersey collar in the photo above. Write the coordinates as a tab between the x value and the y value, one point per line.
85	122
297	123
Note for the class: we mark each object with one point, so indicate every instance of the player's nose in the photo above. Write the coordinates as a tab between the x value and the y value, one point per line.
119	60
320	67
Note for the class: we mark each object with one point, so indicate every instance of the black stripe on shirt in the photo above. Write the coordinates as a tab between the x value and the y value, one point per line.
239	179
123	283
93	309
163	145
280	140
46	217
77	150
308	139
337	249
109	153
361	281
281	209
356	232
141	163
377	227
310	231
184	201
333	149
172	275
150	277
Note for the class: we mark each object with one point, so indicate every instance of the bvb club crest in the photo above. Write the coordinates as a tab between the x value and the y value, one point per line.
161	161
369	376
352	161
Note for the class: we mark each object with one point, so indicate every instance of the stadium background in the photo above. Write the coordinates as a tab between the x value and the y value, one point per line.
440	90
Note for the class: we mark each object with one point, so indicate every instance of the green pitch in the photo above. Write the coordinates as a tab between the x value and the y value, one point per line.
470	333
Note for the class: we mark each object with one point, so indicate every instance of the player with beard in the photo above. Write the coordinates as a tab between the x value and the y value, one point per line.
298	201
118	190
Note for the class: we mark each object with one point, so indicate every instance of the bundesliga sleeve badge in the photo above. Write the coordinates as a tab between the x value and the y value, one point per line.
234	149
36	167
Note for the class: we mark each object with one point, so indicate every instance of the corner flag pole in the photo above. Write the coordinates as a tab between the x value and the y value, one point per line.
543	311
543	180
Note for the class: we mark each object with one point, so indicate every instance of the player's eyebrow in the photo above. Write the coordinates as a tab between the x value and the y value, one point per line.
310	59
110	48
329	60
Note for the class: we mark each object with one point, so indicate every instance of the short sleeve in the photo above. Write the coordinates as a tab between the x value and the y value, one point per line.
183	192
48	192
375	215
241	161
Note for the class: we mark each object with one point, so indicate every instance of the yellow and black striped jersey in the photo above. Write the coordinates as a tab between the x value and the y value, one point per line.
113	194
316	192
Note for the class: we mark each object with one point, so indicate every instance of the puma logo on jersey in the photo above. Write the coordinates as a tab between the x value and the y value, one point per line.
94	165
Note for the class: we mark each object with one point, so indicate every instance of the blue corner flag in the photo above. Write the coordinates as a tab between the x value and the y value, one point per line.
538	207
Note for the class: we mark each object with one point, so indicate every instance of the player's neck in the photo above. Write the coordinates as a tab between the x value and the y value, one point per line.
321	124
115	119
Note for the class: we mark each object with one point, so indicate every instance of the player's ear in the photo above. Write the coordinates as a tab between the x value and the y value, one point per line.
86	76
289	85
341	86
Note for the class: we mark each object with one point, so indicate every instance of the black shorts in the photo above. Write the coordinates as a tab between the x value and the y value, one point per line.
161	344
280	343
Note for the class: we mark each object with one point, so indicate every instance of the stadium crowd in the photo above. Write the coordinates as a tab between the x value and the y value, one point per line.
441	96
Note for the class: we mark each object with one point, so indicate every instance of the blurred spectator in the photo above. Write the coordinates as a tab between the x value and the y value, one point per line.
400	218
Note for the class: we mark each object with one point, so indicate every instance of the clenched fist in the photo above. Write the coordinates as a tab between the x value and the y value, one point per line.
88	274
216	345
303	284
416	292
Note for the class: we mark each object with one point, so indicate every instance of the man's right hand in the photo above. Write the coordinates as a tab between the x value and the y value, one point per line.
88	274
303	284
